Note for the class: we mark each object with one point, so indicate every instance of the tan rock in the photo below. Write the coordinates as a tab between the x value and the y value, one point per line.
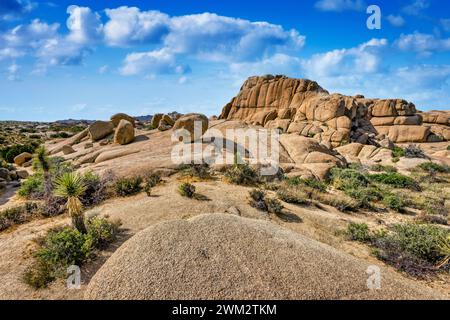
115	119
156	119
100	129
190	122
22	158
124	132
408	120
67	149
403	134
22	174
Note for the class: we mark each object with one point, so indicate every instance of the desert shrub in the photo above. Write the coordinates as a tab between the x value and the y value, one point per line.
258	199
414	151
433	219
448	148
342	203
153	180
381	168
11	152
364	196
60	135
359	232
311	182
432	167
398	152
61	248
242	174
395	180
32	187
344	179
96	188
274	206
186	190
394	202
200	171
18	215
101	232
125	187
293	196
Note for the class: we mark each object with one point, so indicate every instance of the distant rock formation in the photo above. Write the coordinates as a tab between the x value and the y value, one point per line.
303	107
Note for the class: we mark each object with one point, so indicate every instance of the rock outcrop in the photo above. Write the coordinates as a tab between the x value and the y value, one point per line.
115	119
439	123
299	106
227	257
22	158
124	132
100	129
189	123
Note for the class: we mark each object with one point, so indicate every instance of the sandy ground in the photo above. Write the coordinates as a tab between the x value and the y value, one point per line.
139	212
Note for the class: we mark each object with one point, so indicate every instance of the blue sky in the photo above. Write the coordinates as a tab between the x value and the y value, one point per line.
91	59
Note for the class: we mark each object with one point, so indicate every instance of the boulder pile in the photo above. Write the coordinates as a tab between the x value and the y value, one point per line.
299	106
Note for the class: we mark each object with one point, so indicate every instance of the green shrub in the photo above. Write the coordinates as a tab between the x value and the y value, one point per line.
432	167
293	196
242	174
258	199
186	190
398	152
312	183
394	202
359	232
125	187
448	148
96	188
200	171
18	215
13	151
153	180
61	248
274	206
344	179
364	196
381	168
395	180
101	232
32	187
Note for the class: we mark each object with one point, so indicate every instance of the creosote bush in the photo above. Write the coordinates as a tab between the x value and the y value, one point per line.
311	182
64	247
395	180
432	167
186	190
398	153
260	201
418	249
414	151
381	168
125	187
200	171
18	215
242	174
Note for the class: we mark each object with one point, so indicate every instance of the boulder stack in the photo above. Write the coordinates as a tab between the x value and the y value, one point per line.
124	132
100	129
195	124
115	119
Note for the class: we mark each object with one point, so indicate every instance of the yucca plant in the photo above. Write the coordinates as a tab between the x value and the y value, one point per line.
71	187
445	250
41	162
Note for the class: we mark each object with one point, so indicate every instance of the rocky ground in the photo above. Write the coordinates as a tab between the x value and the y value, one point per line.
272	256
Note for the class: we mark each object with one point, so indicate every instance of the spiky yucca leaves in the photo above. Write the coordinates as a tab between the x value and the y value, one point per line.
444	246
40	159
70	186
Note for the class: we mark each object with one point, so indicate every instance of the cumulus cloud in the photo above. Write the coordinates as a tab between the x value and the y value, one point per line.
130	26
340	5
416	7
396	21
84	25
13	71
362	59
11	9
421	43
151	63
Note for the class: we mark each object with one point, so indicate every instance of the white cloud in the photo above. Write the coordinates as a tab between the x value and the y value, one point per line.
128	26
103	69
445	23
13	70
183	80
79	107
359	60
424	44
396	21
340	5
12	9
151	63
84	25
416	7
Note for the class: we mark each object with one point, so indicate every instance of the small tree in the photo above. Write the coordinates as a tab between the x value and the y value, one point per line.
70	186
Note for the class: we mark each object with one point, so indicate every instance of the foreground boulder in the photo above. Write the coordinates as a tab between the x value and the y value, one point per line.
166	123
115	119
22	158
227	257
124	133
156	119
100	129
67	149
189	123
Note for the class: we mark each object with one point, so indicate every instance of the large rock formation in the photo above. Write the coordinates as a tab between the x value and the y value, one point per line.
302	107
227	257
